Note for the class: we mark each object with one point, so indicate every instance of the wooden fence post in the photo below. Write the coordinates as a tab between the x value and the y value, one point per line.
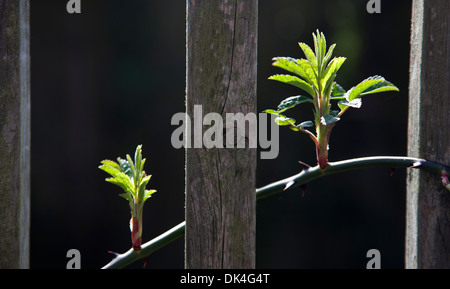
14	134
428	202
220	182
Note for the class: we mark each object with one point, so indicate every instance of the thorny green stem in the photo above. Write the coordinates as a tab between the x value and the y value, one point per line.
304	177
313	173
125	259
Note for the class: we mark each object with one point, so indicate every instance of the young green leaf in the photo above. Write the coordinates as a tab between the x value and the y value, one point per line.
122	181
148	194
328	119
370	85
317	50
118	178
320	46
329	54
356	103
126	197
337	92
380	87
309	54
142	185
307	123
310	74
130	168
125	167
131	177
300	67
295	81
328	87
282	121
289	64
316	75
334	113
113	170
111	164
138	158
331	71
292	101
271	111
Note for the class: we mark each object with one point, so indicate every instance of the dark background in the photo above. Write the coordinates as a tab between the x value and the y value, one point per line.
112	77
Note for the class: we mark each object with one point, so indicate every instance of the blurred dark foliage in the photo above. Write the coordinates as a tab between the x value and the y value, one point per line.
112	77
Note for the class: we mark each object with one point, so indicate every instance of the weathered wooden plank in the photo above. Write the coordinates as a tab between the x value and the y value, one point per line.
220	182
428	202
14	134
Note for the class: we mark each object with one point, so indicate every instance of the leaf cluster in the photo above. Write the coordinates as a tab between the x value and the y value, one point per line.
130	176
315	74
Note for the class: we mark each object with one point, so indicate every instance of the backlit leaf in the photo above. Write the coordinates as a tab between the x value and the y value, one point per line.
308	123
337	91
356	103
329	54
380	87
112	170
125	167
295	81
331	71
287	63
132	171
122	181
271	111
309	54
148	194
282	121
356	91
111	163
292	101
310	75
126	196
328	119
128	175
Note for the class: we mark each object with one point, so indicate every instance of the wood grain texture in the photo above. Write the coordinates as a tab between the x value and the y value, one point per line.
428	202
14	134
220	182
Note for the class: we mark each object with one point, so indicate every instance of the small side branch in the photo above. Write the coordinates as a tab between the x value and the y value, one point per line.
302	178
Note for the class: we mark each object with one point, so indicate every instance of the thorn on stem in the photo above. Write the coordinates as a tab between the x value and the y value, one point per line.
305	165
392	171
145	262
114	253
288	185
303	187
416	165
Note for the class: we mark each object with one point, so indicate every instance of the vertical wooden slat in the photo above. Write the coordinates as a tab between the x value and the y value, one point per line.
220	182
14	134
428	202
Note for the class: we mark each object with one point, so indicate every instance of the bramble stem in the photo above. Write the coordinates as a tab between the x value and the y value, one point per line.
313	173
131	256
305	176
